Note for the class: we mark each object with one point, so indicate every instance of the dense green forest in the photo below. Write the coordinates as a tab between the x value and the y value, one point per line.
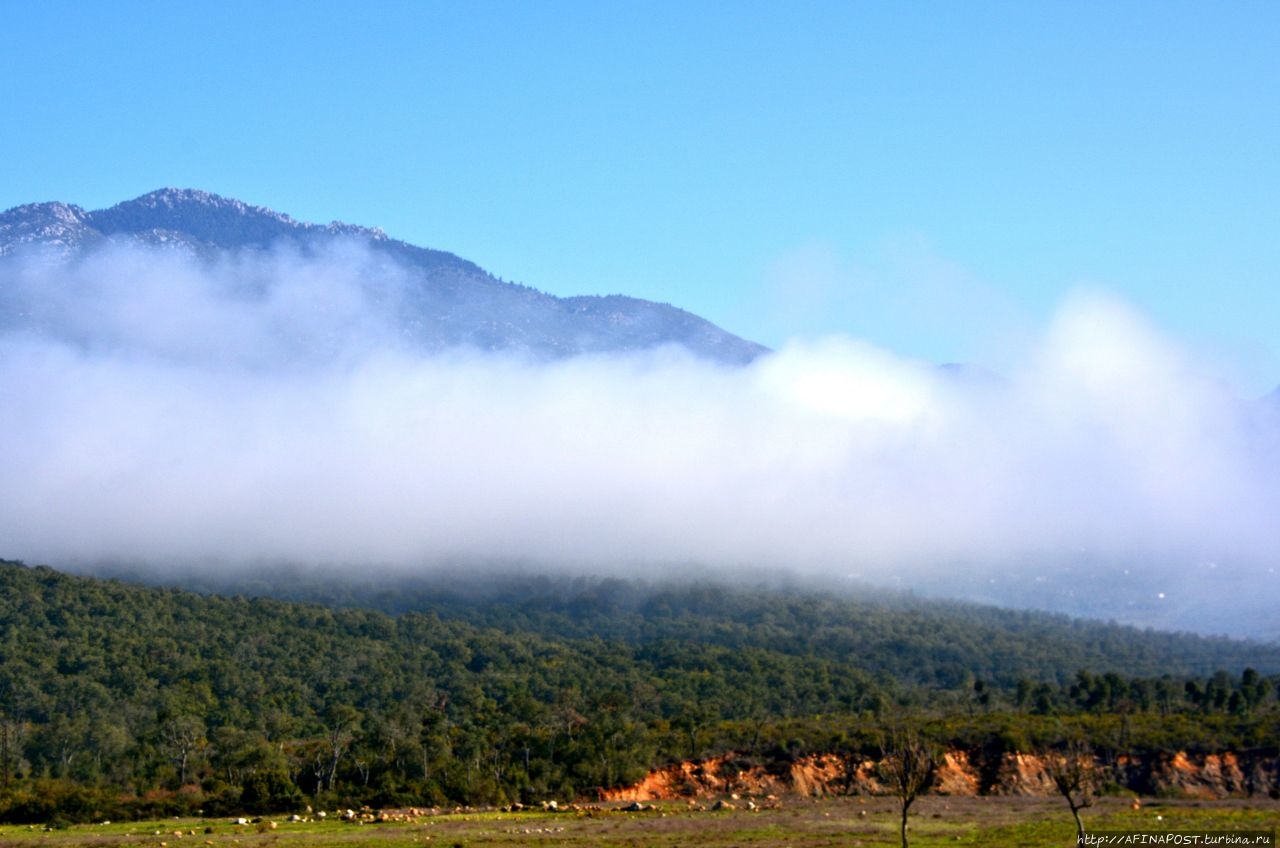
121	699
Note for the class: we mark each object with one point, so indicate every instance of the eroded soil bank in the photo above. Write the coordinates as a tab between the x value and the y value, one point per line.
961	773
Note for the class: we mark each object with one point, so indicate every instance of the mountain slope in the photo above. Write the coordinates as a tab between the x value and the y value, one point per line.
562	689
448	301
912	640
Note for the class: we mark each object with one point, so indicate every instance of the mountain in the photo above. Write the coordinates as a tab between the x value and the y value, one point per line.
448	302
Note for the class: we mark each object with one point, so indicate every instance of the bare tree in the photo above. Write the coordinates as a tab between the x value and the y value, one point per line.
341	722
183	737
907	765
1075	775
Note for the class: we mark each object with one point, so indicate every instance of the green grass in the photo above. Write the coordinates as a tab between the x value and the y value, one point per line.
798	823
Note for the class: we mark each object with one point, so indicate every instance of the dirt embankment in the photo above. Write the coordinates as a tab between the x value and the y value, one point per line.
960	773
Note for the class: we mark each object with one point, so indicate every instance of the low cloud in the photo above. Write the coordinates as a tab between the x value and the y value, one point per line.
170	413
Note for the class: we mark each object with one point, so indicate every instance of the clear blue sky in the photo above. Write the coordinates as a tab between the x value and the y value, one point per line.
932	177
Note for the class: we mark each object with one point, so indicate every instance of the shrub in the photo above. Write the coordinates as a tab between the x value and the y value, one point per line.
270	792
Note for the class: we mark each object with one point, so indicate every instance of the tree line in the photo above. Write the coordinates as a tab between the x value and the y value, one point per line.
121	700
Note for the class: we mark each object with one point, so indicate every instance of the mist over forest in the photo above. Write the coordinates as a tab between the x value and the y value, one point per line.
177	413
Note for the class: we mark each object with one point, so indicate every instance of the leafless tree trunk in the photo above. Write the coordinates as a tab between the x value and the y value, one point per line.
341	721
183	735
1075	775
907	766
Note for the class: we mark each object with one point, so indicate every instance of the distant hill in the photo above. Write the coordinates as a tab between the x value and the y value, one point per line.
450	302
902	637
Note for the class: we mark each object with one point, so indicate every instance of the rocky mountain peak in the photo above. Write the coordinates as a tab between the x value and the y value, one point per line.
54	225
447	301
199	215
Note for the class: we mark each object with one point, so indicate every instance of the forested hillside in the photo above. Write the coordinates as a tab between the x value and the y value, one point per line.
122	697
913	641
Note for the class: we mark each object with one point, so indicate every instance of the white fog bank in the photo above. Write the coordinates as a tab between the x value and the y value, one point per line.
162	412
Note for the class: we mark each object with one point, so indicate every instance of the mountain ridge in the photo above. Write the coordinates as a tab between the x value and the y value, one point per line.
453	301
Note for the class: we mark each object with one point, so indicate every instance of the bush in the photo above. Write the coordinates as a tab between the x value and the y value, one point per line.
165	803
60	802
270	792
223	801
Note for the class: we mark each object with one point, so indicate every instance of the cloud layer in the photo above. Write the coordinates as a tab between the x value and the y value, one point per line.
170	413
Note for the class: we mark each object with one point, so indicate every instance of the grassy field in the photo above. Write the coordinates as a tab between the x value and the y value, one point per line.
798	823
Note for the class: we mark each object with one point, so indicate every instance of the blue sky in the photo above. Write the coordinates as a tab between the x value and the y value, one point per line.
934	178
